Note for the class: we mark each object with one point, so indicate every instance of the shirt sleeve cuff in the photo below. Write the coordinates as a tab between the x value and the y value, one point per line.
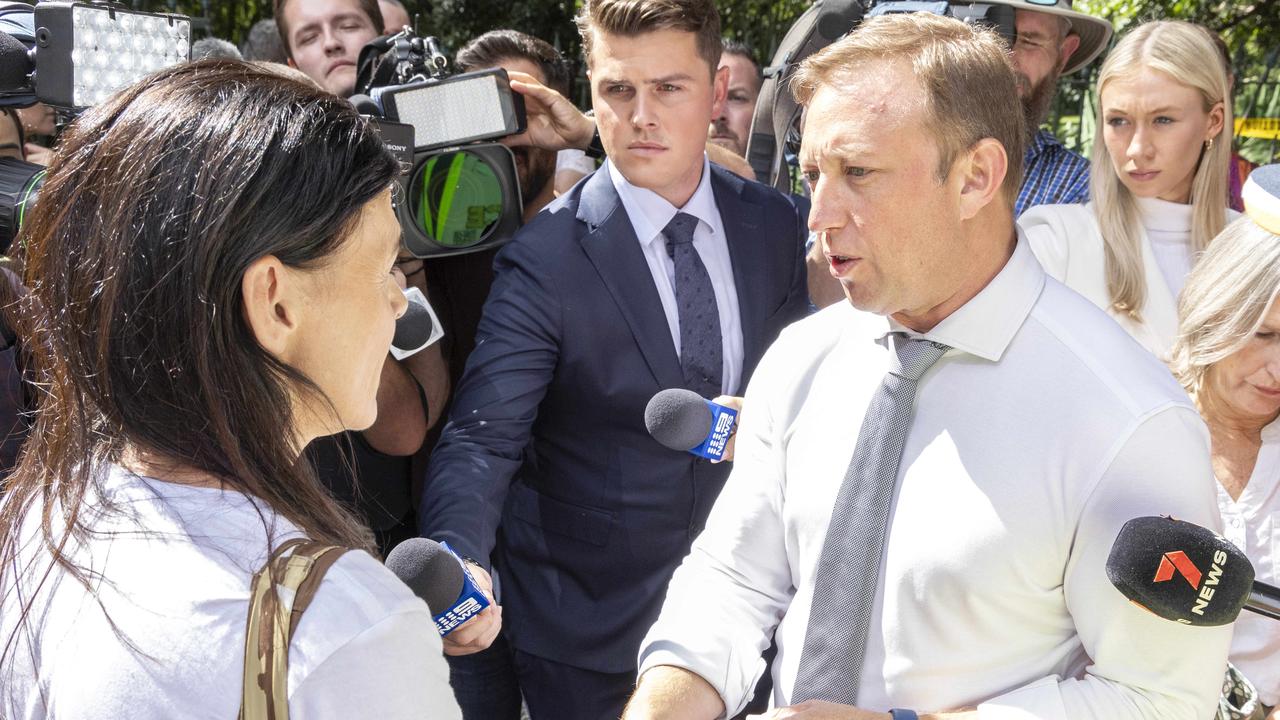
734	698
1039	700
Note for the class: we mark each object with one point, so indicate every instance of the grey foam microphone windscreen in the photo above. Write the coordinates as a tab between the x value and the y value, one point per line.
678	418
430	571
414	327
14	62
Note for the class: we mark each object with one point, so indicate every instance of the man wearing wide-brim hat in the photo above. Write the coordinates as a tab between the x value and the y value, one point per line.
1052	39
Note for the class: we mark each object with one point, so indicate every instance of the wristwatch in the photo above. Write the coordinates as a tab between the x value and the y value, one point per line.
900	714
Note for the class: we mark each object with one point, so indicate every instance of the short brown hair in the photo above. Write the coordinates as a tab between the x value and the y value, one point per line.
629	18
494	46
370	8
970	89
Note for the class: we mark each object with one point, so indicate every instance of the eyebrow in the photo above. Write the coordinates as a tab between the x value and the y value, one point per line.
336	18
655	81
1164	109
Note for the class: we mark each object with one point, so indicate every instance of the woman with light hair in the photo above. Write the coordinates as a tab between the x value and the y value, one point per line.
1227	356
1159	181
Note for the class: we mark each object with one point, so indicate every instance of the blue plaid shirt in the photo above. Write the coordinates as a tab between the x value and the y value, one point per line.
1051	174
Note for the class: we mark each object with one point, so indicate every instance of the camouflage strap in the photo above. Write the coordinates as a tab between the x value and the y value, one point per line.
280	593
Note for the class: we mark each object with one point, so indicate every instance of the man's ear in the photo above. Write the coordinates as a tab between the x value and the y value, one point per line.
720	90
1070	44
270	305
982	171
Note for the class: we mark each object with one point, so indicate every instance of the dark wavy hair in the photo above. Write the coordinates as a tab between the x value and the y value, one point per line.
154	207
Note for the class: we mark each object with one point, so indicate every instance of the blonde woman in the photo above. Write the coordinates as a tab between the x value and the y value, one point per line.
1159	181
1227	356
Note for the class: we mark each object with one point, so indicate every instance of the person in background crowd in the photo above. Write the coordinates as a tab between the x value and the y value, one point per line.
1159	181
1052	40
460	283
263	43
212	47
1227	356
394	16
13	141
948	556
731	128
1240	167
211	321
660	270
322	38
39	127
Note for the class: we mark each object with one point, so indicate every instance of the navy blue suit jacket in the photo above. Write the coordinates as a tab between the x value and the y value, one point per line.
545	458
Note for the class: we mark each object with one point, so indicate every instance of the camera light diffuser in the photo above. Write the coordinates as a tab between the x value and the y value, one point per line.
456	110
86	52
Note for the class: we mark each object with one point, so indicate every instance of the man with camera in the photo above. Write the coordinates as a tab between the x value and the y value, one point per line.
323	39
657	271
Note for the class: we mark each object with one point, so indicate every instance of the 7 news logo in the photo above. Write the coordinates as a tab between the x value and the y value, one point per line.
1177	563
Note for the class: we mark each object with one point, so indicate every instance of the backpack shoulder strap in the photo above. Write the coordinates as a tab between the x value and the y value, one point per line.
280	593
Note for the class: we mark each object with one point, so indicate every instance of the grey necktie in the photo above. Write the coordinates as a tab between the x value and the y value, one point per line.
849	568
701	352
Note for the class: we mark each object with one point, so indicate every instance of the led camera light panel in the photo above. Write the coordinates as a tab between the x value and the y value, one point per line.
87	52
474	106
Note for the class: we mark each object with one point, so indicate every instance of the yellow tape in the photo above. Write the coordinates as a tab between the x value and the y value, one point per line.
1264	128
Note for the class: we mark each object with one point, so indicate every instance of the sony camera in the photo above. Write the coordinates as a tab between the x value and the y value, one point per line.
71	55
461	192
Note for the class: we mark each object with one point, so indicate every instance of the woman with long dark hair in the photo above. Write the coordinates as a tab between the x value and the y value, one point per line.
211	282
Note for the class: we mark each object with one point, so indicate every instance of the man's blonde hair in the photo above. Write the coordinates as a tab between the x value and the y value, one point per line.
1227	295
1187	54
969	85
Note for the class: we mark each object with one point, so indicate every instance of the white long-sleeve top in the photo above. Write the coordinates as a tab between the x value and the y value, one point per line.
1253	523
1067	241
167	640
1034	439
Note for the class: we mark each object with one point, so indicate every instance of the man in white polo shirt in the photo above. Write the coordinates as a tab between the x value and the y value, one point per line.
930	476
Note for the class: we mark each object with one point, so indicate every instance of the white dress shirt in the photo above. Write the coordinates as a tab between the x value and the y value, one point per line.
1253	524
1034	439
649	214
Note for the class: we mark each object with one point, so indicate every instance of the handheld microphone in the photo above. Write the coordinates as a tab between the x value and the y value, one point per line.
1186	573
437	575
683	420
417	328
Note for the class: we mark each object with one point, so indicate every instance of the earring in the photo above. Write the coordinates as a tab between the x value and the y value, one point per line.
1208	144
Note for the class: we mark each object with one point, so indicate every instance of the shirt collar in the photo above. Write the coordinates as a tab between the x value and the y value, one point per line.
1041	141
986	324
650	212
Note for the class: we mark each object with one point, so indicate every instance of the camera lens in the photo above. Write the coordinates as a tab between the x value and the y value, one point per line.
455	198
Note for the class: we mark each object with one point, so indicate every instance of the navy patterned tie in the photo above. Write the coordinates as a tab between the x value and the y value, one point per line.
701	351
848	573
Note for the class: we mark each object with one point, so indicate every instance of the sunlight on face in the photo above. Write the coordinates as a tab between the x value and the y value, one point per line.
1154	128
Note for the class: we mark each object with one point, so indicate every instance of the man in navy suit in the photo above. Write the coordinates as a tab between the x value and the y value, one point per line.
657	271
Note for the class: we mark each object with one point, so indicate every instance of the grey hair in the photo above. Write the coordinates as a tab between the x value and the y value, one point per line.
1231	289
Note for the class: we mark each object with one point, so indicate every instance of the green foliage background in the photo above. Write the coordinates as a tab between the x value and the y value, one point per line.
1250	27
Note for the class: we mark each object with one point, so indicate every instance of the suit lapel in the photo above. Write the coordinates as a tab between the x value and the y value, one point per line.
747	255
611	245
